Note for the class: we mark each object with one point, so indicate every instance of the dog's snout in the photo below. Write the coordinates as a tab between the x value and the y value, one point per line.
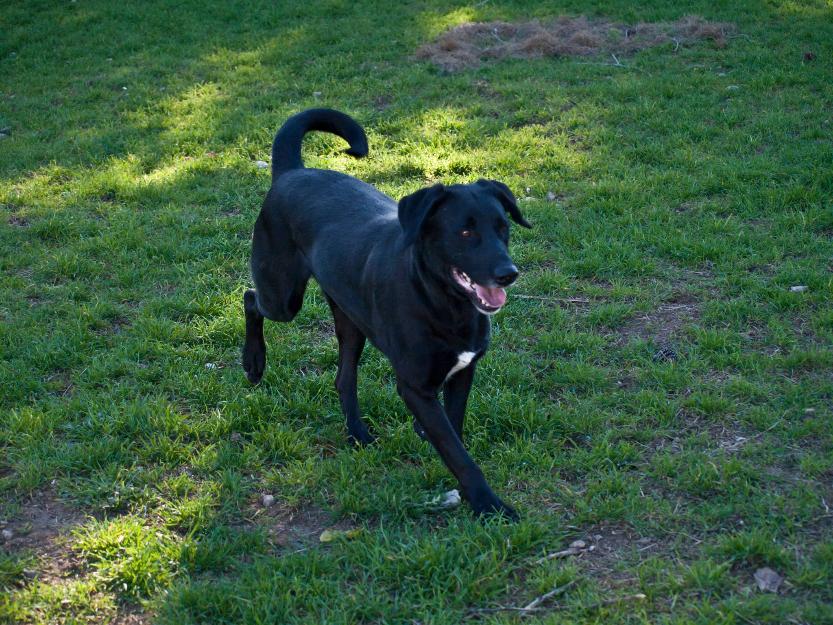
506	275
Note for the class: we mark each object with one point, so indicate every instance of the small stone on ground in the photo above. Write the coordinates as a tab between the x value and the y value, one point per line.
768	580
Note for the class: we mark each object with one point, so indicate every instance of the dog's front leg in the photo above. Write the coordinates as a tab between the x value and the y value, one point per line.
456	395
431	416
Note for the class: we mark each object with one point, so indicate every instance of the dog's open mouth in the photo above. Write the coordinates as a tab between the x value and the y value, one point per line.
486	299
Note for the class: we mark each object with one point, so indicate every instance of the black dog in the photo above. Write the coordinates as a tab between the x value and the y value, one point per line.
419	280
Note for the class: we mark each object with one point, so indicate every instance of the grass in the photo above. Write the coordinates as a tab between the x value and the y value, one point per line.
653	381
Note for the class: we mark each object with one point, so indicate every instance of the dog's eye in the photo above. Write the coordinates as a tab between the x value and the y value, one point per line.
466	234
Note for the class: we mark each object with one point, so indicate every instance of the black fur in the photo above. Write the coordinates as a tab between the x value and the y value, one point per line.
386	271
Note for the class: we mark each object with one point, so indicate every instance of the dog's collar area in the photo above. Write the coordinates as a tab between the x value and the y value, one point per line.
486	299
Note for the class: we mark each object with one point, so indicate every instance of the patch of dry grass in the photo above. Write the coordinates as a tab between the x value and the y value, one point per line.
468	45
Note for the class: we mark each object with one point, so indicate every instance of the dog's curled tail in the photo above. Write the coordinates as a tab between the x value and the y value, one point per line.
286	149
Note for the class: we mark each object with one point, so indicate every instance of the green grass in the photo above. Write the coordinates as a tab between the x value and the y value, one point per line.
659	379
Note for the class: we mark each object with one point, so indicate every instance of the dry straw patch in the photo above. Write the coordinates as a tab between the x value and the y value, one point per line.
468	45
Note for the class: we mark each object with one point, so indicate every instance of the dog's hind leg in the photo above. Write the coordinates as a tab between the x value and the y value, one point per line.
280	274
350	345
254	349
279	270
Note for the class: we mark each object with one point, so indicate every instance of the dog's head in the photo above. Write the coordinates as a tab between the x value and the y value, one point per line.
463	232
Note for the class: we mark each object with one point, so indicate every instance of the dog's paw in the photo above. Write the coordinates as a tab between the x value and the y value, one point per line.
362	440
497	508
254	361
491	505
358	435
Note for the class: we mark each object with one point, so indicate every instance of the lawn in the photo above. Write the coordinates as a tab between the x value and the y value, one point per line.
656	387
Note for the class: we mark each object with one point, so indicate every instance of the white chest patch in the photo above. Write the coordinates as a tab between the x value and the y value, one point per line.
463	361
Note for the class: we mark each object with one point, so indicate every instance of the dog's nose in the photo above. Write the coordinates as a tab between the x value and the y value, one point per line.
506	275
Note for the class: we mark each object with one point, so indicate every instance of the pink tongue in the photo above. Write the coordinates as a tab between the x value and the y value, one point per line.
494	297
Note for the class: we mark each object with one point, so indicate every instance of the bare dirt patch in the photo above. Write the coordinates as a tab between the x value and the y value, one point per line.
609	553
612	546
41	527
661	325
129	615
720	438
296	528
60	383
20	222
382	102
326	328
116	326
468	45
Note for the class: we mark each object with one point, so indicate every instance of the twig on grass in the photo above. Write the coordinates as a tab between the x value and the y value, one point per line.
474	612
673	307
533	607
637	596
564	553
560	300
530	607
740	441
622	65
576	547
558	590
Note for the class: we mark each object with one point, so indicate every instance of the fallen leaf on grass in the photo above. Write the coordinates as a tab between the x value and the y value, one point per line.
328	536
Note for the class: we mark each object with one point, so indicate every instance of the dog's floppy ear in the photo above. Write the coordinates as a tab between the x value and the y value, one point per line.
502	193
414	209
